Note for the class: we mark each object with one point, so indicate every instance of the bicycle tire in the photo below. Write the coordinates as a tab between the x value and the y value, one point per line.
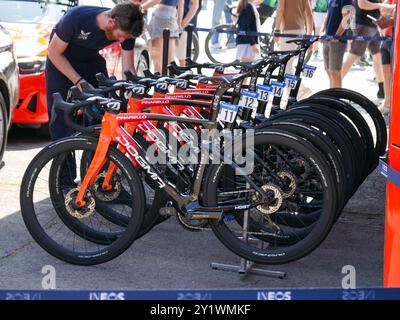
32	223
278	254
208	49
369	107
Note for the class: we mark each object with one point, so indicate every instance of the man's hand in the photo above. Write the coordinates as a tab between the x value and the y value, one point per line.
83	85
384	22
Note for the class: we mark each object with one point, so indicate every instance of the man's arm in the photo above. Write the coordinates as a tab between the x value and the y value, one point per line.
368	5
150	3
180	12
279	15
128	61
385	8
194	6
346	15
309	18
56	55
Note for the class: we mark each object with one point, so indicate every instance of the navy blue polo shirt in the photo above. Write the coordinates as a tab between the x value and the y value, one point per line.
335	16
79	29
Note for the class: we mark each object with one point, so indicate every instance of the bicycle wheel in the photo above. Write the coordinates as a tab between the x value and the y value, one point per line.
347	128
322	143
65	230
354	118
270	242
110	208
333	132
226	53
369	111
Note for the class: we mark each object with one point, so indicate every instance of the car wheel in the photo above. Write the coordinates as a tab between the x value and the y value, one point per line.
3	126
142	65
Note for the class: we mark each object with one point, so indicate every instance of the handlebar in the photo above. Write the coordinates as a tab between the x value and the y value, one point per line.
104	104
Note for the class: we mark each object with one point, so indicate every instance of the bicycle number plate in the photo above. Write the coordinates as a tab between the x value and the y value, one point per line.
291	81
227	112
248	99
263	92
277	88
308	71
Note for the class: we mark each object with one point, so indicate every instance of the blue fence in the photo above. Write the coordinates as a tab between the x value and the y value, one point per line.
289	35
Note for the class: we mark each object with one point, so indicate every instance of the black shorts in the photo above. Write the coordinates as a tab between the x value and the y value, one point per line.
358	47
386	52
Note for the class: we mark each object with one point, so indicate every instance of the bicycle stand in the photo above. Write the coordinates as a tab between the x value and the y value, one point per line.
247	267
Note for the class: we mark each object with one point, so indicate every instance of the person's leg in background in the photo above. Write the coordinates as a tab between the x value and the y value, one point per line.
56	82
336	54
374	49
216	18
156	56
304	91
284	46
386	49
231	43
180	48
171	52
358	49
326	53
227	12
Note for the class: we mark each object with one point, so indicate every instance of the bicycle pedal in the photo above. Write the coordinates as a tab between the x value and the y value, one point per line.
168	211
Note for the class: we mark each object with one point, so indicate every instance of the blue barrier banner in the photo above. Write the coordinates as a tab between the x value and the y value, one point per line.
389	173
294	36
254	294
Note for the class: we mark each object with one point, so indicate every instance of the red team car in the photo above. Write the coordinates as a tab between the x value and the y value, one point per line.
31	23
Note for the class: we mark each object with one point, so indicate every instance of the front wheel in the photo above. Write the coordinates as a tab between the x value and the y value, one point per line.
57	224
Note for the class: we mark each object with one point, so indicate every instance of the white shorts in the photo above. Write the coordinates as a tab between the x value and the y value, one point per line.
244	51
164	17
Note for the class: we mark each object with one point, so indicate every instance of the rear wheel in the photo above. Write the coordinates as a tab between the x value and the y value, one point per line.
269	241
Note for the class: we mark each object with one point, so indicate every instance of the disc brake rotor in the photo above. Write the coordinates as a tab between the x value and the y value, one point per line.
273	205
292	185
80	212
107	195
